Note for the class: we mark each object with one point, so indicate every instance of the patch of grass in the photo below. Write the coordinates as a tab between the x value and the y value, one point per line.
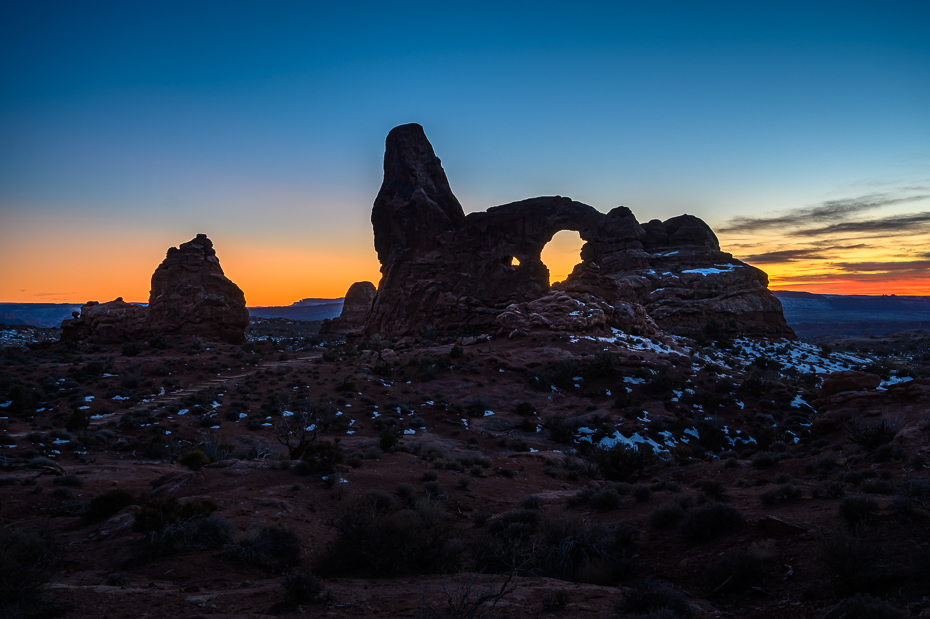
26	561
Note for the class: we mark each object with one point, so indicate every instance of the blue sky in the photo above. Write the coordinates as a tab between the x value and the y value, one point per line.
263	124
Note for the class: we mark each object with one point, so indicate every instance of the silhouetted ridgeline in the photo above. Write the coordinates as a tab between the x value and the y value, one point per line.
50	315
811	315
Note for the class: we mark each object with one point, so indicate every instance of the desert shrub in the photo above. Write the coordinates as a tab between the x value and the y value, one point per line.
271	547
915	488
571	548
713	488
555	600
77	421
850	558
858	510
71	480
781	494
321	457
641	492
710	521
877	486
888	452
433	490
605	499
158	514
378	538
132	349
870	435
26	560
109	503
620	462
865	607
739	569
355	461
531	502
404	491
666	515
829	490
429	476
822	465
302	587
171	528
561	430
764	460
651	597
194	460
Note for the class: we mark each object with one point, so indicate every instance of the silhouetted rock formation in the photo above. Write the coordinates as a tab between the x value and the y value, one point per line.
112	322
354	310
450	272
190	296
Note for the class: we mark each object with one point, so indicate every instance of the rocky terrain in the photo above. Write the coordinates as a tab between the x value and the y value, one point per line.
647	439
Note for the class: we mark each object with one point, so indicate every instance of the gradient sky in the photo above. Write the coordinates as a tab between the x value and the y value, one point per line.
800	132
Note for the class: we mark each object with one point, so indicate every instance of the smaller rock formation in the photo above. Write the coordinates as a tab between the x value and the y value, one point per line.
190	296
113	322
852	394
354	310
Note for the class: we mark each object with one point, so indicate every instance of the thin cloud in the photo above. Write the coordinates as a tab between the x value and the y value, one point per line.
830	210
783	256
918	266
893	225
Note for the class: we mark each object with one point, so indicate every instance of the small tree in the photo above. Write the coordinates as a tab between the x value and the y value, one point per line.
297	432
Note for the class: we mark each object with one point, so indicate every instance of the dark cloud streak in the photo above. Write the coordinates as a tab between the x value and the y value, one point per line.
894	225
791	255
830	210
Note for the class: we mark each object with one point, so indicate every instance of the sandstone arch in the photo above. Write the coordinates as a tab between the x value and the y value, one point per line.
450	272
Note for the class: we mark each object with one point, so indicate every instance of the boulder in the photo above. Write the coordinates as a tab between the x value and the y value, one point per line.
113	322
850	380
449	272
354	310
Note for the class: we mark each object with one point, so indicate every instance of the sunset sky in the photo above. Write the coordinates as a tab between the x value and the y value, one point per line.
799	131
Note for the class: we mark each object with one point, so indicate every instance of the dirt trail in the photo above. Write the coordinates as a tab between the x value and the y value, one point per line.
217	381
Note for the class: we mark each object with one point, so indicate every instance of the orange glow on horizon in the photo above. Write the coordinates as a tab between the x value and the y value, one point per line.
75	268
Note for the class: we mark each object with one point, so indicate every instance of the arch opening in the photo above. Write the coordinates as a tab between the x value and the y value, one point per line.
511	261
561	254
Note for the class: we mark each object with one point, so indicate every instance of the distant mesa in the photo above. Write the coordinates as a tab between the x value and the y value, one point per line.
446	271
355	311
190	296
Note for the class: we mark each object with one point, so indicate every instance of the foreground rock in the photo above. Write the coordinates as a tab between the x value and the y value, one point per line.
450	272
190	296
354	311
